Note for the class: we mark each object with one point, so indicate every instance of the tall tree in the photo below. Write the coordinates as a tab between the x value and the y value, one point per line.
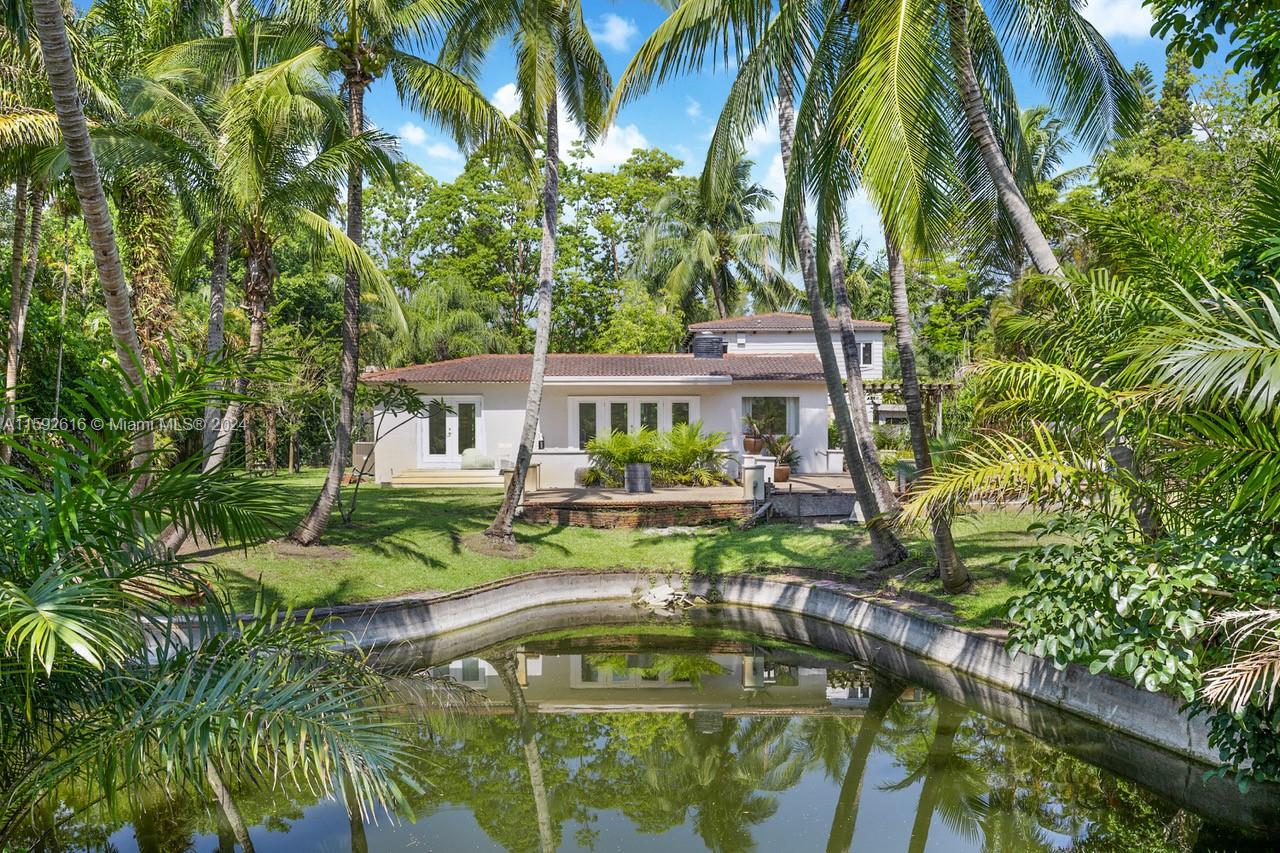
65	86
776	46
366	39
710	248
955	577
556	61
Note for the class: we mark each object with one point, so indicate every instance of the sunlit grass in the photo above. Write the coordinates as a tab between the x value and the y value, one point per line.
406	541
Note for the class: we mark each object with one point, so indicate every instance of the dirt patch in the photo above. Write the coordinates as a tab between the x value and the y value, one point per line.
312	552
490	547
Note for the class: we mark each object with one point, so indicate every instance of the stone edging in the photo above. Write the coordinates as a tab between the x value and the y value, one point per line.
1152	717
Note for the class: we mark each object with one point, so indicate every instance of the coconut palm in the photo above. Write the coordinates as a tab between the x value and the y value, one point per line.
709	247
777	45
65	88
365	40
556	63
443	319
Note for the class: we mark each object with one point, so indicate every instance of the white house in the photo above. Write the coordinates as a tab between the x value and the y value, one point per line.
763	365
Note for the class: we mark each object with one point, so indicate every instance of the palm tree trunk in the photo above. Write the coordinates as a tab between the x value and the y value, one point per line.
355	818
858	405
979	122
717	292
532	757
500	529
227	805
311	528
216	335
19	233
19	302
941	748
64	85
888	549
955	577
885	692
144	205
62	313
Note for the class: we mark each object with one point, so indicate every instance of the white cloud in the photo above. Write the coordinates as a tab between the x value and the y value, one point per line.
412	133
442	151
775	181
614	31
692	108
764	137
1119	18
507	99
607	153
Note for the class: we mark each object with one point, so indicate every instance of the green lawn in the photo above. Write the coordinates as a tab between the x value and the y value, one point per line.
412	540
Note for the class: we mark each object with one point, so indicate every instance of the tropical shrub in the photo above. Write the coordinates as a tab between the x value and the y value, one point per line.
94	695
783	449
682	457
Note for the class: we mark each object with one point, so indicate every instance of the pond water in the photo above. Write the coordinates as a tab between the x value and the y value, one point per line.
689	736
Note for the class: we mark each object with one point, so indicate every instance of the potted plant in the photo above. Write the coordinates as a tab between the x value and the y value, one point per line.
752	435
783	449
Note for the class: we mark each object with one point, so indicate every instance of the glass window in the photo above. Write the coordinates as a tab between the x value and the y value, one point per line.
769	412
679	413
866	353
649	415
589	674
618	418
466	426
437	428
586	423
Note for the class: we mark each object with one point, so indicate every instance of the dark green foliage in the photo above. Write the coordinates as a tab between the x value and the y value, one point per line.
682	457
1197	26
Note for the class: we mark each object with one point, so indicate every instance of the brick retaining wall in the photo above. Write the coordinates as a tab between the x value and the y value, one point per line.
629	516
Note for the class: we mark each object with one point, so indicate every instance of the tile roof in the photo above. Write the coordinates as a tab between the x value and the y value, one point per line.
777	322
802	367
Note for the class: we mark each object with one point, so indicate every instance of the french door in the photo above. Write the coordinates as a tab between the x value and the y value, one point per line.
449	429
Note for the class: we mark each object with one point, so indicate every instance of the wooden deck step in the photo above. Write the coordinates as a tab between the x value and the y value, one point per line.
447	478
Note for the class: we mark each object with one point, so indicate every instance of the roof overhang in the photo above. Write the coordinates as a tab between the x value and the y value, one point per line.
575	381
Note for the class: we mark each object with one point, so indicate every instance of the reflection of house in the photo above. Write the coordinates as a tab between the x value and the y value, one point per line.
764	365
750	682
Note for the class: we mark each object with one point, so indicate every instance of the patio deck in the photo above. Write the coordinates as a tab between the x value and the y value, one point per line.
583	496
803	496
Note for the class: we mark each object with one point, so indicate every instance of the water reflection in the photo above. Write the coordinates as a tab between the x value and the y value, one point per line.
634	743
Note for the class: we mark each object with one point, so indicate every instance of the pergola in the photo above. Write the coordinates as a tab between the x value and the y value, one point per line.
931	393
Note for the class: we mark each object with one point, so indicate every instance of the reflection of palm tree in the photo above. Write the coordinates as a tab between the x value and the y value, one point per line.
719	776
507	672
885	690
950	782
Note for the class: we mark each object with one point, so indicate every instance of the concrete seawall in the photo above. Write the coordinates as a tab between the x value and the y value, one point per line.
1150	717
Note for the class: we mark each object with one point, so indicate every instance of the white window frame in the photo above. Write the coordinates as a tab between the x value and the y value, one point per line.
604	419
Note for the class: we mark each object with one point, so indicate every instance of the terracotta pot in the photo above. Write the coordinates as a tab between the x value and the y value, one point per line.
752	444
781	473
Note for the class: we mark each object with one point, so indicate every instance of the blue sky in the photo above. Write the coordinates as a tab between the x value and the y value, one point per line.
679	116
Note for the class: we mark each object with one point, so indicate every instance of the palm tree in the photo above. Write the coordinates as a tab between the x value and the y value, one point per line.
709	247
777	47
105	701
368	38
65	88
533	757
443	319
895	105
885	692
955	577
556	60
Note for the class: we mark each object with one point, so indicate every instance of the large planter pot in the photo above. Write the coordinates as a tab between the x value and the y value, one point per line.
638	477
781	473
752	444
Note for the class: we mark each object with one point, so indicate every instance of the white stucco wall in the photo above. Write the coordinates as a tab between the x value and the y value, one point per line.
797	342
719	407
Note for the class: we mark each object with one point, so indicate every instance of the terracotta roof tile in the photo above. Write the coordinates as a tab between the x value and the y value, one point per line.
802	367
777	322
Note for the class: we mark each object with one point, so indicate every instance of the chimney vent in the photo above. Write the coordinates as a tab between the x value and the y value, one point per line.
707	346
